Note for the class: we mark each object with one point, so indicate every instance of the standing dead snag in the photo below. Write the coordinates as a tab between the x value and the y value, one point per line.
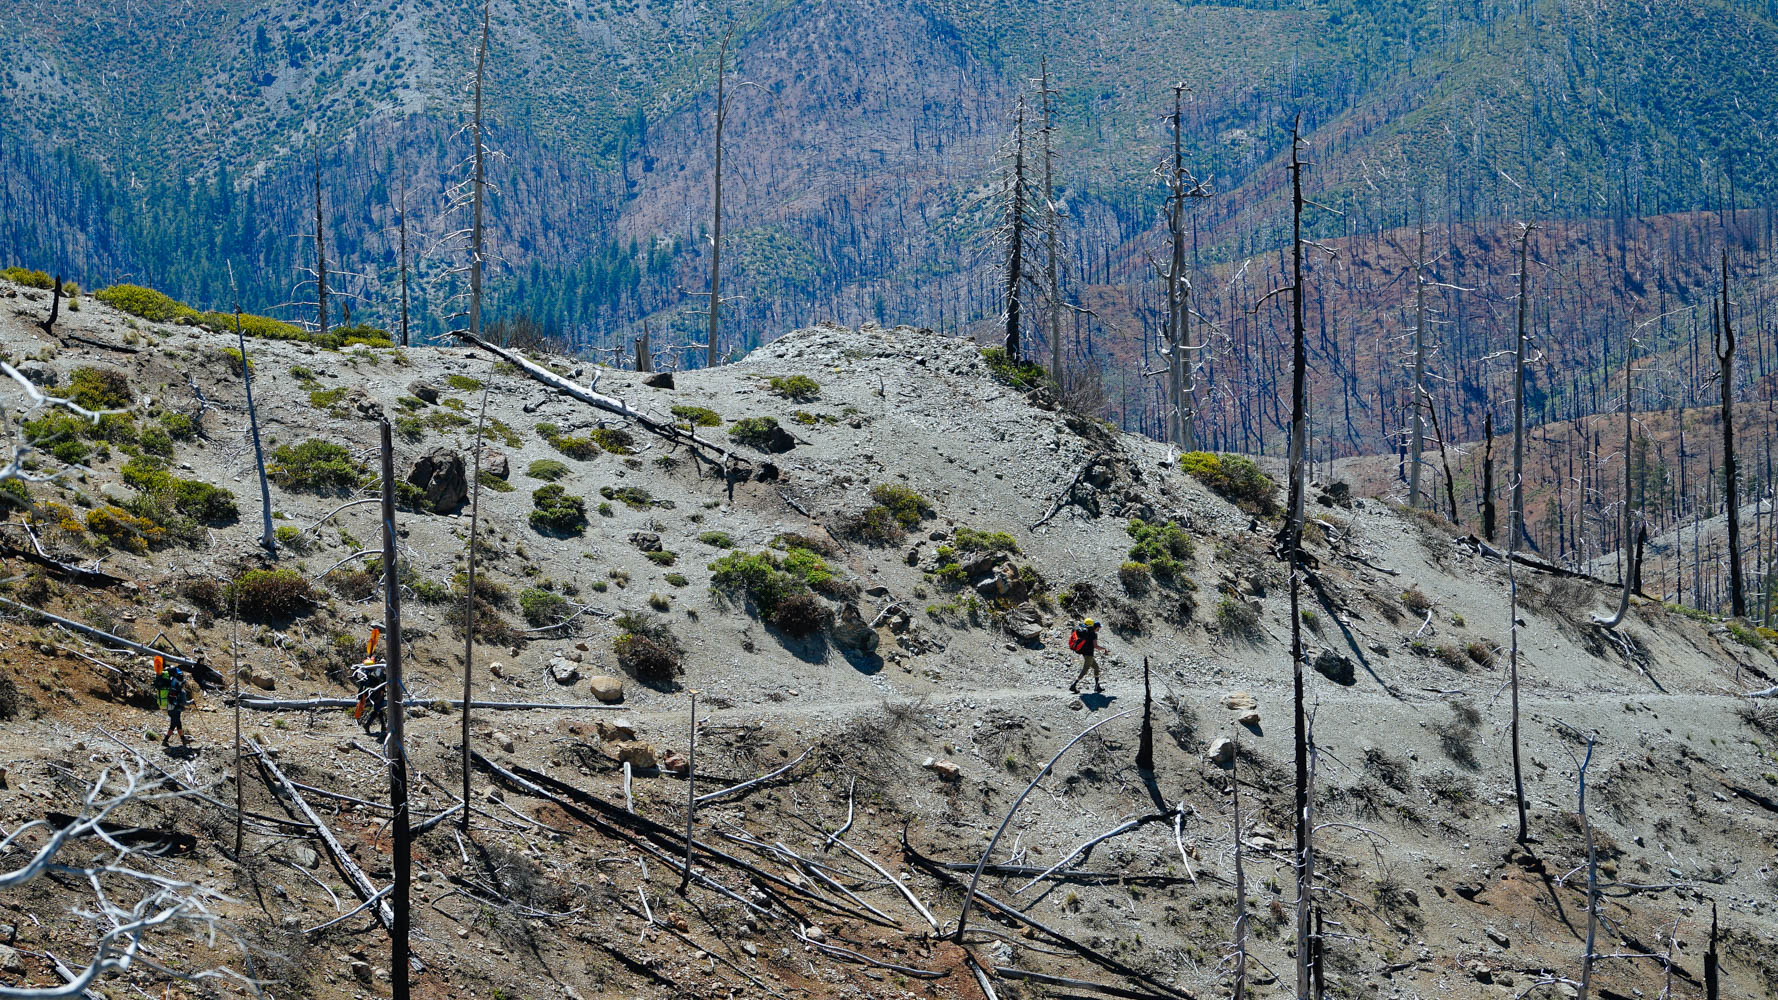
1722	343
716	204
1052	229
395	724
320	255
267	538
476	236
1516	527
1181	354
1015	237
1240	930
1586	960
55	307
1417	434
402	216
1145	744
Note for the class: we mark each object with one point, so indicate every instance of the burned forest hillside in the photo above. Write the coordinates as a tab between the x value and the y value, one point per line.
859	553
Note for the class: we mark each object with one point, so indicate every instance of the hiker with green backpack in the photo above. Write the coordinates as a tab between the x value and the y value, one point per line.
170	695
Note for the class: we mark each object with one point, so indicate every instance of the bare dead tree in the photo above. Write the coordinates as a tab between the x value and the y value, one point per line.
1623	606
691	791
644	357
478	183
1304	860
1521	341
1417	435
1053	228
395	724
402	217
1488	516
710	353
48	326
1586	965
1016	199
1723	345
320	254
268	539
1240	930
1145	741
163	905
1181	354
17	461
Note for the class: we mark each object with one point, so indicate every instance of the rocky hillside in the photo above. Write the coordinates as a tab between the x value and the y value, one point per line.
872	599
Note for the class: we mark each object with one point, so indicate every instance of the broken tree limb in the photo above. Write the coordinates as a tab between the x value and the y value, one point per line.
195	792
1771	692
1011	913
93	633
610	404
342	860
1076	874
762	779
36	556
1068	491
1026	975
354	911
313	704
913	900
1483	548
1085	848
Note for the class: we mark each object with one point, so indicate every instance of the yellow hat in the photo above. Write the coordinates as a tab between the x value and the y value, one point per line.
1089	623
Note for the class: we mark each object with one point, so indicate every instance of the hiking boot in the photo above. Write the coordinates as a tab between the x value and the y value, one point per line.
1074	688
1097	689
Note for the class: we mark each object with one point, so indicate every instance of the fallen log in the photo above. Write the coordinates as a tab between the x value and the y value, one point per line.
1483	548
762	779
1013	914
116	640
37	557
349	868
313	704
1067	491
1027	975
610	404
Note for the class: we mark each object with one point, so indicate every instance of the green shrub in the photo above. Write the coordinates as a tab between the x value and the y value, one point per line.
1481	653
1021	375
1164	547
271	594
547	469
633	497
802	615
897	509
618	442
1234	478
1135	577
327	399
756	576
144	302
697	416
14	495
754	432
796	388
28	278
661	557
543	607
463	383
578	448
288	535
359	336
717	539
98	389
123	529
495	483
677	579
1415	600
179	426
971	540
1237	618
315	465
557	512
156	441
198	500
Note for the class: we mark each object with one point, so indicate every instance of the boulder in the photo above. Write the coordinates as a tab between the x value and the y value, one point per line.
638	755
503	741
563	671
423	390
1025	623
1240	701
363	403
851	631
1336	668
361	971
659	380
1248	719
676	763
946	770
494	463
441	477
618	730
647	541
607	689
259	678
1222	752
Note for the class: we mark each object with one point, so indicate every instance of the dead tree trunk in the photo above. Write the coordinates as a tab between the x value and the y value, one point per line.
1632	546
1417	438
1240	991
1293	543
395	694
481	422
644	359
716	205
55	308
1145	743
1488	475
1052	233
1180	424
320	255
267	537
403	218
1519	345
1586	960
1015	245
691	790
1724	346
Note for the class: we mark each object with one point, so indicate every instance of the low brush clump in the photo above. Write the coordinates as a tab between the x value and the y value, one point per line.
556	512
1238	618
1024	376
697	416
648	649
796	388
1236	479
543	607
316	466
270	594
578	448
897	510
1163	548
547	469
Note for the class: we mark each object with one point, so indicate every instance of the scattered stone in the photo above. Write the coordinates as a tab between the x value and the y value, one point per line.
361	971
497	669
1339	669
851	631
1240	701
1248	719
1025	623
1469	890
1222	752
659	380
259	678
494	463
441	477
1498	938
647	541
1480	971
815	933
877	591
676	763
564	671
180	615
423	390
10	959
750	948
503	741
303	855
607	689
638	755
943	768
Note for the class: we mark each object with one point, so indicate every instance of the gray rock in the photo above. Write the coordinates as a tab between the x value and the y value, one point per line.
1336	668
945	769
440	475
423	390
494	463
563	671
618	730
659	380
851	631
1222	752
608	690
647	541
10	959
638	755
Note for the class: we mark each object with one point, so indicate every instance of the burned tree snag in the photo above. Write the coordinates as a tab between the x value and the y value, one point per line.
1723	345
